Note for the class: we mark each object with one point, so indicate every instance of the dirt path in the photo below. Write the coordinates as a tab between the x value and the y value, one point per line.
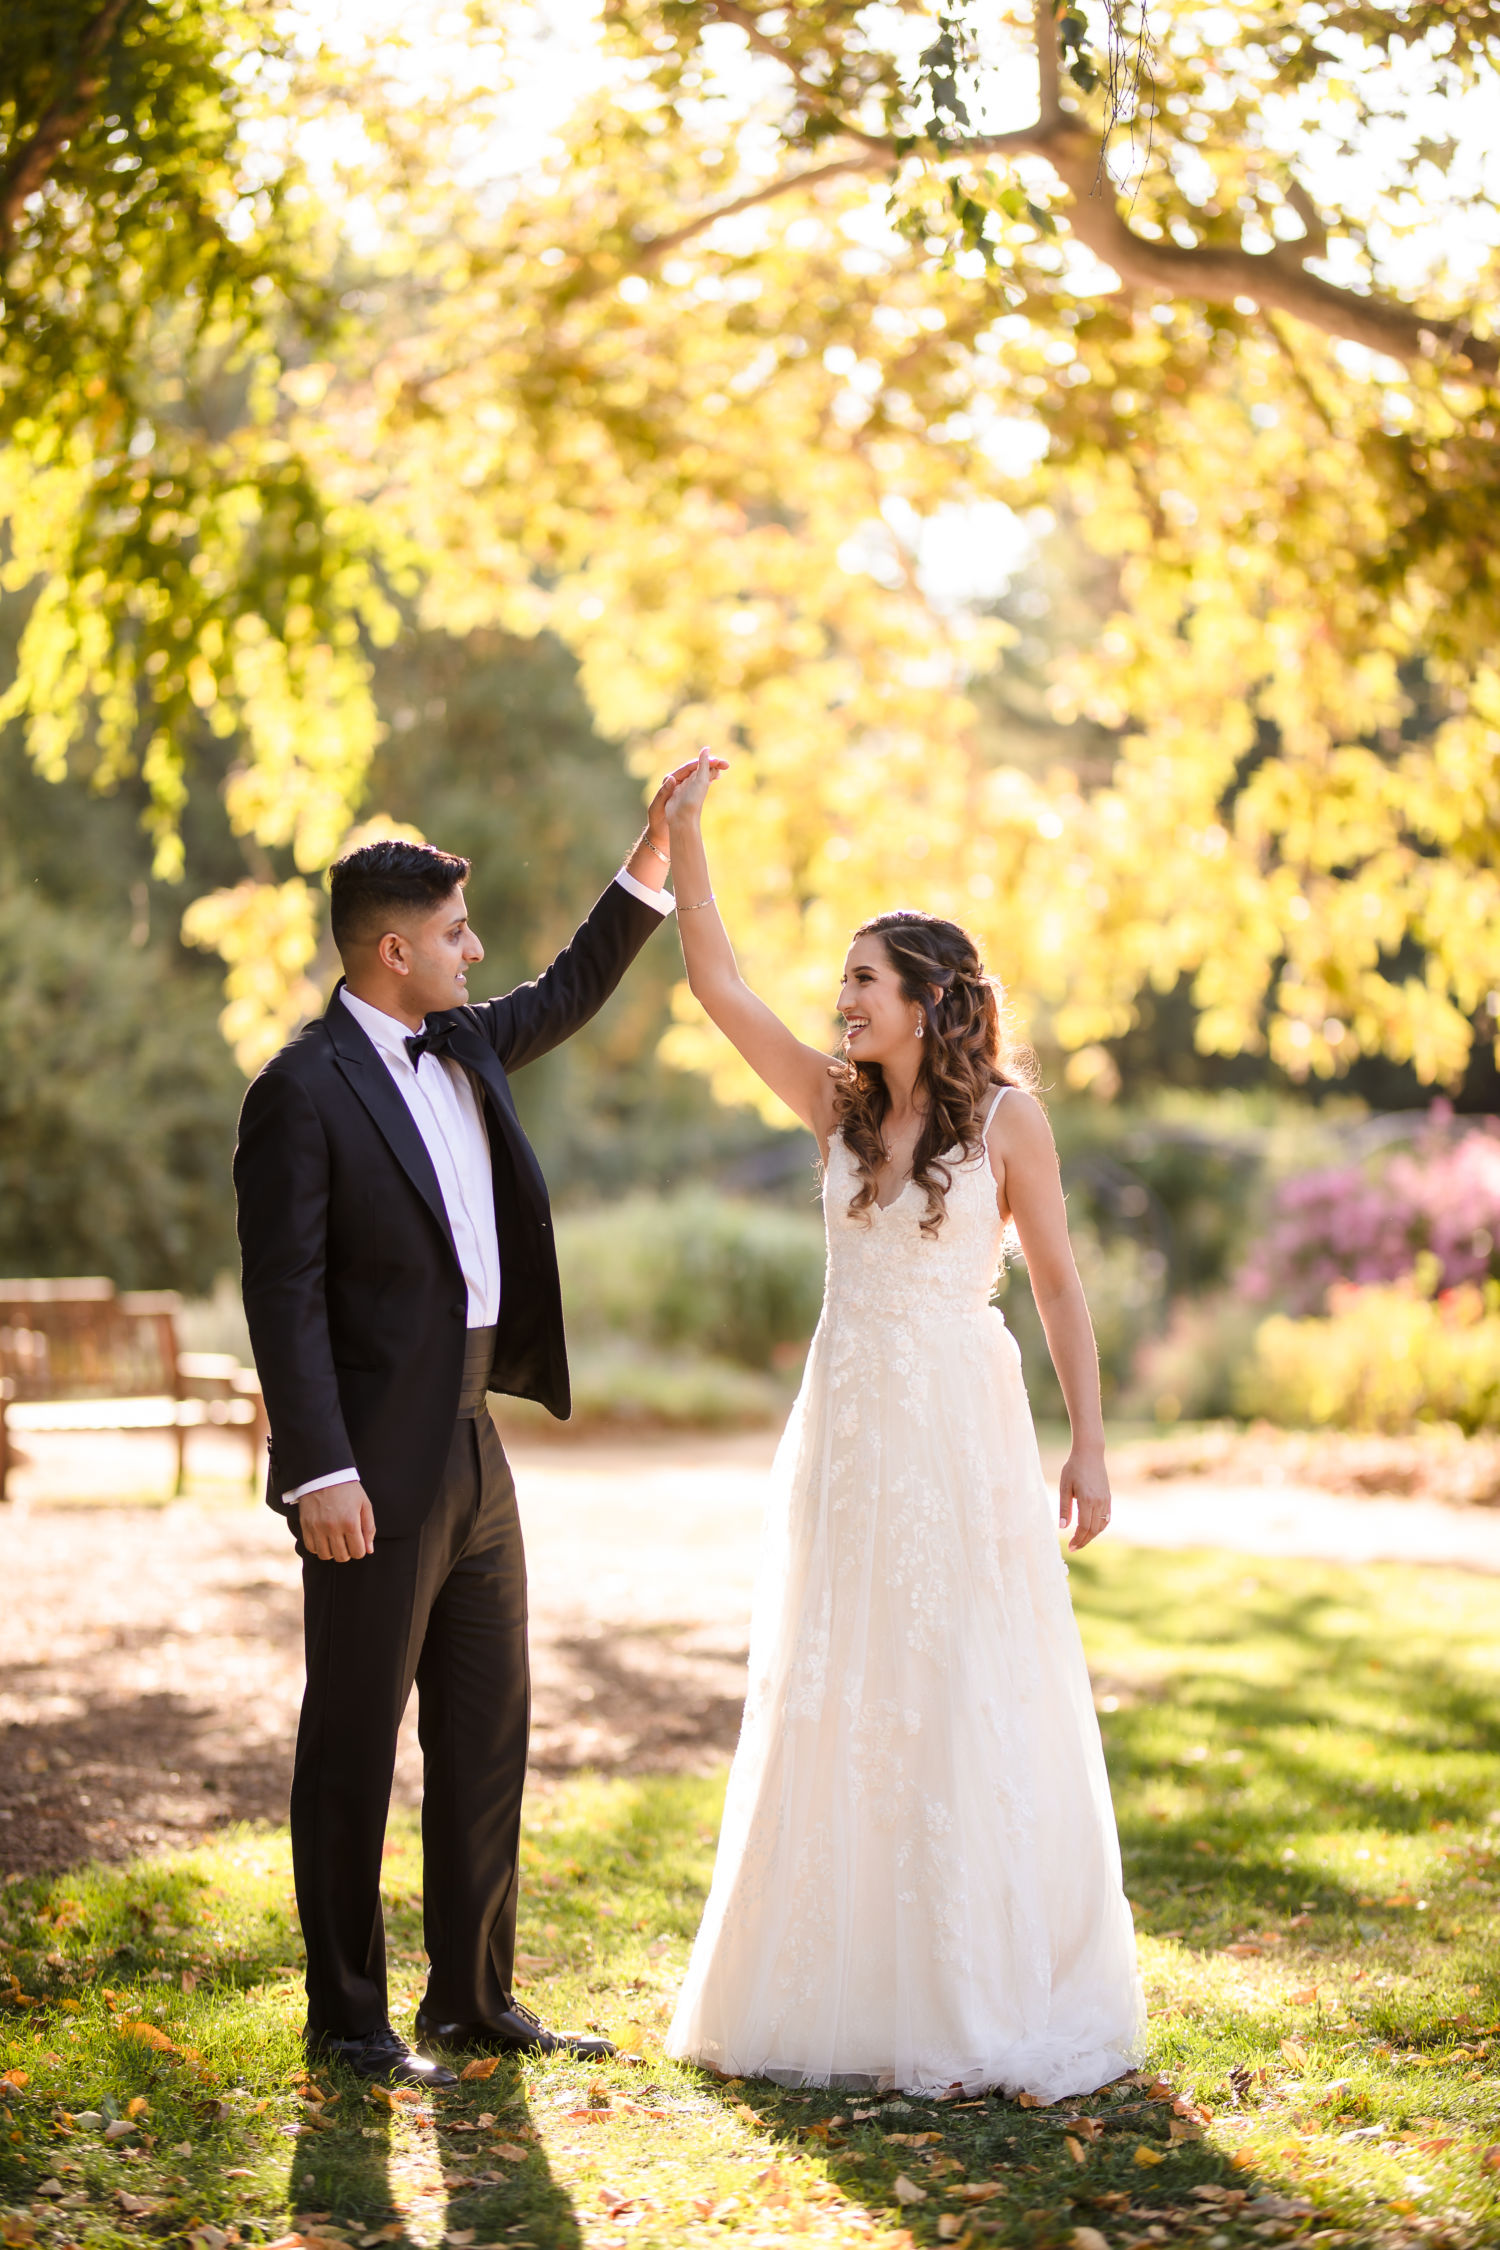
150	1650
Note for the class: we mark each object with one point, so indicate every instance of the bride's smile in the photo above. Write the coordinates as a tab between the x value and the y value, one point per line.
880	1023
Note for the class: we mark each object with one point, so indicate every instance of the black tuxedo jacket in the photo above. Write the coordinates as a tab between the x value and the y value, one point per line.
353	1291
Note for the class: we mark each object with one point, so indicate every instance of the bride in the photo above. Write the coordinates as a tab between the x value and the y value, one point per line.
918	1878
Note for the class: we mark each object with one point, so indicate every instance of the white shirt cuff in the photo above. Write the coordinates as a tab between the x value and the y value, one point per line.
321	1484
663	901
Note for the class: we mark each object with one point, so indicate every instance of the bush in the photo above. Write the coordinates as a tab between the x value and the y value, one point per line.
1370	1223
1384	1358
727	1278
1122	1282
617	1386
1193	1371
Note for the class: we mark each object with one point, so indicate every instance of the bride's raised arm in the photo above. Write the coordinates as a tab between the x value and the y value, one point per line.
793	1070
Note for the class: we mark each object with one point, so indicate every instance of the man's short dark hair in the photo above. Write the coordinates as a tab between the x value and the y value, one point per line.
380	884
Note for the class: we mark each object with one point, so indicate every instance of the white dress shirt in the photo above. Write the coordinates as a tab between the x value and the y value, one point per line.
447	1111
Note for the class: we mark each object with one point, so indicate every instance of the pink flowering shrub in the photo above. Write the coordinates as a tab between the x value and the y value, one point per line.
1371	1222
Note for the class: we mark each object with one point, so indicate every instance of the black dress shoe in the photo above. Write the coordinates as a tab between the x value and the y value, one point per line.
379	2055
515	2031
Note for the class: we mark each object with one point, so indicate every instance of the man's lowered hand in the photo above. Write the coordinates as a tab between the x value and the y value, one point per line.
338	1523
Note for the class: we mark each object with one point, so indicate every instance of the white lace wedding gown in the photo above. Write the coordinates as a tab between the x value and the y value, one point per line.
918	1878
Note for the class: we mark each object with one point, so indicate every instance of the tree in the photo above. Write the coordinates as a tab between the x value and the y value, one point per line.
689	392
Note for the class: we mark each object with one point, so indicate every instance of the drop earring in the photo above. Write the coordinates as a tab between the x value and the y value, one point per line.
919	1027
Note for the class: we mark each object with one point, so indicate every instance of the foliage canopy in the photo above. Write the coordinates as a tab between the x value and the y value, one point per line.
692	385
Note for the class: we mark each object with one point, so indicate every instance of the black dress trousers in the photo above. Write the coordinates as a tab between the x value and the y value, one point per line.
446	1608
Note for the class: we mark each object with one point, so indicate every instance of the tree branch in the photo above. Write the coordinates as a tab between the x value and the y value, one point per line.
1049	91
1277	281
33	161
659	246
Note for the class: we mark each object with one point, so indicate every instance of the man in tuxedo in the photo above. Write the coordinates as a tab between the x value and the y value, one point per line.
398	1265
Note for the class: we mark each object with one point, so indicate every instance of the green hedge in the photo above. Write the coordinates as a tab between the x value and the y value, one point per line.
723	1277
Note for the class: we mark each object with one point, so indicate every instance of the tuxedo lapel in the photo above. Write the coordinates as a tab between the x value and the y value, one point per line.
372	1082
468	1045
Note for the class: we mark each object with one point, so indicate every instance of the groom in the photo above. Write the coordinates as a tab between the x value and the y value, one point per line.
398	1265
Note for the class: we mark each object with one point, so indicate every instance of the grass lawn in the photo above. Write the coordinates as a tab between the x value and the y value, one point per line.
1305	1769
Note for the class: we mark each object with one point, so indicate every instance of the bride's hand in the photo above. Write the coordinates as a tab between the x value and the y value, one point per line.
690	786
1084	1487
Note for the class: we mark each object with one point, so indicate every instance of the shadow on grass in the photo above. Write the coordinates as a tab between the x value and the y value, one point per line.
1009	2174
434	2170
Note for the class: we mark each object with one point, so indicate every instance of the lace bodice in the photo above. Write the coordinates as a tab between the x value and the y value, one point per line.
882	1259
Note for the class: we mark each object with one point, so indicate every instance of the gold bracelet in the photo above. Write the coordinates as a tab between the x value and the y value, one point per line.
646	840
696	906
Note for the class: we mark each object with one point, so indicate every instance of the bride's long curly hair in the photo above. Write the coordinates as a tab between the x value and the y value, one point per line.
967	1051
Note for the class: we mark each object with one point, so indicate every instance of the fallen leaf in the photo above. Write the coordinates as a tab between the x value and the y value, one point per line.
189	1981
914	2140
1148	2156
1185	2129
1293	2052
49	2187
135	2205
509	2151
979	2191
1031	2101
119	2131
1244	2160
750	2116
137	2028
1075	2149
483	2066
1088	2238
1084	2128
614	2203
1299	1921
460	2236
1490	2161
907	2191
137	2106
15	2231
1245	1950
950	2227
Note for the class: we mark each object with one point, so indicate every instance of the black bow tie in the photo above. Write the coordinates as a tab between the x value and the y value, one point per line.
432	1039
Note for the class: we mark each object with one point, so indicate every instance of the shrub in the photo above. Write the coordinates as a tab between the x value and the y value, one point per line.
1193	1370
1384	1358
1370	1223
725	1277
1123	1284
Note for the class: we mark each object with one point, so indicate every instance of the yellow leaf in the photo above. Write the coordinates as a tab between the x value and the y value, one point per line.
1147	2156
1294	2053
1075	2149
482	2067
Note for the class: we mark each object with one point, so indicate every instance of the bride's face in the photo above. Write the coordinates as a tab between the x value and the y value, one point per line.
880	1023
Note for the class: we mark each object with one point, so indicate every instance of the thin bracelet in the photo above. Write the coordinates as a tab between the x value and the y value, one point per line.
696	906
646	840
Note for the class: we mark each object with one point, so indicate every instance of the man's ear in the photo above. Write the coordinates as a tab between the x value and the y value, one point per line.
394	954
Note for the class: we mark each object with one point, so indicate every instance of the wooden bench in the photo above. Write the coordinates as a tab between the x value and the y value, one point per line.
78	1355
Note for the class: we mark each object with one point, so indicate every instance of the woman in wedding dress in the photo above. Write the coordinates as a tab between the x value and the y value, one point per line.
918	1877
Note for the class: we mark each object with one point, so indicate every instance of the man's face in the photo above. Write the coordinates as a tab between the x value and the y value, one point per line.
437	951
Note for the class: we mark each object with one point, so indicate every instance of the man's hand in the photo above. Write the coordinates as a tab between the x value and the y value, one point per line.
338	1523
1084	1484
656	818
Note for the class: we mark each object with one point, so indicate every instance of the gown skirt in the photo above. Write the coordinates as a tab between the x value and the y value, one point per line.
918	1878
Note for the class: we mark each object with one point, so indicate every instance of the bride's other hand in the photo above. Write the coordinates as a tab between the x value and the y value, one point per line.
1084	1488
687	786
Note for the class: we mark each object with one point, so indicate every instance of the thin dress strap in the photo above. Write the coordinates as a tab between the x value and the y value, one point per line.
990	1113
